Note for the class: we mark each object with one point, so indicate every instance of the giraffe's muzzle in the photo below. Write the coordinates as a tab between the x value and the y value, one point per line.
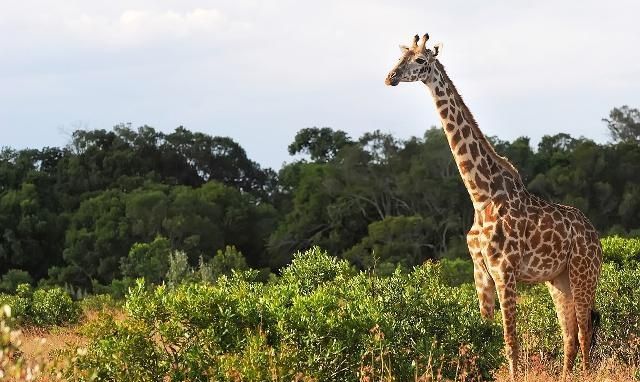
392	79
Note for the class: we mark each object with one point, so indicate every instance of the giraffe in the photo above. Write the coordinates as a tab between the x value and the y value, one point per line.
516	236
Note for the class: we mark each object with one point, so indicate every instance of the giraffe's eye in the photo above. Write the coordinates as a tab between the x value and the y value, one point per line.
420	60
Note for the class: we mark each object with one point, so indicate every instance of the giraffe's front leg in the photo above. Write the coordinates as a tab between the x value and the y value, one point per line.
506	287
485	286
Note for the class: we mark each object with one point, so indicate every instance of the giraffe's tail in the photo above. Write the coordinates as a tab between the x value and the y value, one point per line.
595	324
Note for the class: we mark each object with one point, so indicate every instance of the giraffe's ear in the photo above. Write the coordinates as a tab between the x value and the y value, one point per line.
437	49
403	48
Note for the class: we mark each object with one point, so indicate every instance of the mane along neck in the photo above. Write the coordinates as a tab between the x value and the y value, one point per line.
477	133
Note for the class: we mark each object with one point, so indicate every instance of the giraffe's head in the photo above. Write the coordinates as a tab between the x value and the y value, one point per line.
415	64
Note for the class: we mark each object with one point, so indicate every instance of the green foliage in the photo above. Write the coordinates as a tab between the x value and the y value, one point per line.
43	307
403	241
99	303
616	300
319	318
456	271
538	326
71	215
312	268
53	307
148	260
621	251
624	124
13	278
223	263
179	269
321	144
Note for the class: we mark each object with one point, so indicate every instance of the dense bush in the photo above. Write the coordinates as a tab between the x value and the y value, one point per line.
13	278
621	251
617	299
330	322
320	318
41	307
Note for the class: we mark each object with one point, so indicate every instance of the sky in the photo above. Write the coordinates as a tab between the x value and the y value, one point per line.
260	70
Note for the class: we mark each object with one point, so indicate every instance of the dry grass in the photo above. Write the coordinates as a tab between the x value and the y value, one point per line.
38	342
608	371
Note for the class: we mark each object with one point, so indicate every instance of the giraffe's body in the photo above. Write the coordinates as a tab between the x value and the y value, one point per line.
516	236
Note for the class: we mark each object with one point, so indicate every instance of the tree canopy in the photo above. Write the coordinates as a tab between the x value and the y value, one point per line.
112	203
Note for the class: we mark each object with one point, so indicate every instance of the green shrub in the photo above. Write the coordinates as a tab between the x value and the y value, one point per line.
538	327
19	306
179	269
148	260
41	307
457	271
13	278
99	302
118	288
617	299
621	251
53	307
319	318
400	241
222	263
312	268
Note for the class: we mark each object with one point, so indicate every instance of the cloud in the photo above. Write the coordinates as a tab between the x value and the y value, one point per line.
135	27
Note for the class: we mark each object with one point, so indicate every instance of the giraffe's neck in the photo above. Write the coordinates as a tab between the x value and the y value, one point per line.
486	175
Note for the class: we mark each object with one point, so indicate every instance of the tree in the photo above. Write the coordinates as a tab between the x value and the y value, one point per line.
406	241
148	260
321	144
624	124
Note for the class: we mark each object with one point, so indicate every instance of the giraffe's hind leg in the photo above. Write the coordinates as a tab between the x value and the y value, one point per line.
560	290
583	289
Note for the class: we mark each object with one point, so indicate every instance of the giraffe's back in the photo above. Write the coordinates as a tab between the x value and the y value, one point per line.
554	235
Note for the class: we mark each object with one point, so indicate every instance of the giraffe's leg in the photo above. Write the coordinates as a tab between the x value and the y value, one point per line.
486	290
583	295
506	287
485	286
583	277
560	290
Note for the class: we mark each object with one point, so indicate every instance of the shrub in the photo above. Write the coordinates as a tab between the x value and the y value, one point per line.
319	318
621	251
222	263
312	268
19	306
401	241
53	307
148	260
538	328
99	302
457	271
179	269
42	306
13	278
225	261
617	299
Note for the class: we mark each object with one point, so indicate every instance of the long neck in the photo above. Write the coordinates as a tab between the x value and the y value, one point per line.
486	175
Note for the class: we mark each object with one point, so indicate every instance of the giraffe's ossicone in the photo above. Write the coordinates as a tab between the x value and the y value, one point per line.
516	236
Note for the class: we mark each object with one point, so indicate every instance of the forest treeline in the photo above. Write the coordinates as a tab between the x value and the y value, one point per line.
113	201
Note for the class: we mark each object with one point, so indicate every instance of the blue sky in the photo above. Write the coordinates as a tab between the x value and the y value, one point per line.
260	70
